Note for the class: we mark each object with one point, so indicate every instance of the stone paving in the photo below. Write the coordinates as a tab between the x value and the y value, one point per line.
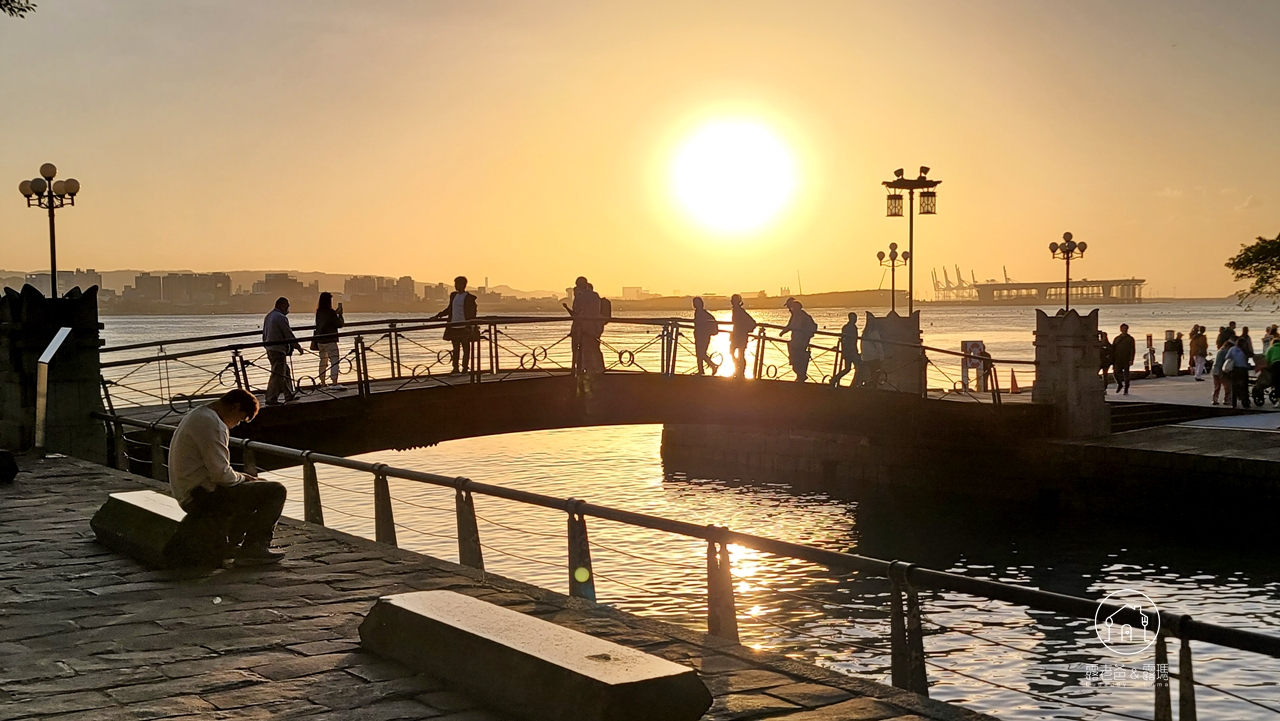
90	634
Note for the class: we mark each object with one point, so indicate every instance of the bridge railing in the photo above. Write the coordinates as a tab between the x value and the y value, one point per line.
909	661
388	355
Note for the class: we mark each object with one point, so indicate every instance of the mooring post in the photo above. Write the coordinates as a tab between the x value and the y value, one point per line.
1186	679
582	579
470	553
312	510
250	462
722	613
158	469
1164	704
122	450
384	521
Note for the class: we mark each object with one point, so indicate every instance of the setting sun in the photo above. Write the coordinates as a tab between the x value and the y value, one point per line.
734	176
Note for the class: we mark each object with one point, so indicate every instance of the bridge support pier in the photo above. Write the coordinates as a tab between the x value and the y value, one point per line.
1068	355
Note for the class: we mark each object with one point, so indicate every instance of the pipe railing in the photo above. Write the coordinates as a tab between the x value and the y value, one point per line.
908	660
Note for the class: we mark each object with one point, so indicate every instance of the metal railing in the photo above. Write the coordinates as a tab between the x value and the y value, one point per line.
389	355
908	660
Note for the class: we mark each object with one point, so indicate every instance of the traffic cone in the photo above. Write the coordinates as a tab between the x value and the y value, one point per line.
1013	382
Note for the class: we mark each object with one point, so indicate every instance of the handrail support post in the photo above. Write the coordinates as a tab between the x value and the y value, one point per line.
582	579
722	614
470	552
384	522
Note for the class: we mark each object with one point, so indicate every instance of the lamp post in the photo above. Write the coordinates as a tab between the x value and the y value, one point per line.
45	192
1066	250
893	263
928	206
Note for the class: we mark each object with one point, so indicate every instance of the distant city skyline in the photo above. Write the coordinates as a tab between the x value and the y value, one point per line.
538	141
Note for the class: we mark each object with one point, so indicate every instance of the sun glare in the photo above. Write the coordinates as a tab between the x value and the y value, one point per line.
734	176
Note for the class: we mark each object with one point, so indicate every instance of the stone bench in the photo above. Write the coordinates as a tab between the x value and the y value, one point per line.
530	668
141	524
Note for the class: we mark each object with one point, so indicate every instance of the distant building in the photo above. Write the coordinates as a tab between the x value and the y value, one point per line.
145	287
635	292
197	287
360	285
399	291
67	279
438	292
286	286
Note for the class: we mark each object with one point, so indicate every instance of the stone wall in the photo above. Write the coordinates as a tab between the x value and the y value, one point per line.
28	322
1068	356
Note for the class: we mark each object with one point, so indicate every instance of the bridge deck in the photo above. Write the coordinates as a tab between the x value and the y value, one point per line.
89	634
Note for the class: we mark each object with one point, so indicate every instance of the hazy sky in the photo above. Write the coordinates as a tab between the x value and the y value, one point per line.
531	142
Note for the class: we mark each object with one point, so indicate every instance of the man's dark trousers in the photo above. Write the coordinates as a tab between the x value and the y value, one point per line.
247	511
1122	378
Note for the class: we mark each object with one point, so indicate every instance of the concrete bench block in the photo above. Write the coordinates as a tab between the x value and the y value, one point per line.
140	524
530	668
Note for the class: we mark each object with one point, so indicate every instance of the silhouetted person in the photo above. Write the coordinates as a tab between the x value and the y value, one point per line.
586	329
461	309
704	326
281	343
1199	350
868	375
802	327
328	322
1225	333
1104	354
1245	343
229	514
1123	351
850	356
1237	369
1221	378
743	324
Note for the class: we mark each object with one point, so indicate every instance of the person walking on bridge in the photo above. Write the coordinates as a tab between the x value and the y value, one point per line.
705	325
850	357
460	332
325	342
280	344
802	328
229	514
1199	350
1123	351
743	324
868	375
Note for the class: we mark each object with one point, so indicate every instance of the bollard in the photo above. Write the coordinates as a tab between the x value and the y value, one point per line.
1186	679
1164	704
158	469
312	510
582	580
722	615
384	522
250	462
470	552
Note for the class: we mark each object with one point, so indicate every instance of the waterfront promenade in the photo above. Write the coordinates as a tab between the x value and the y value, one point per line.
91	634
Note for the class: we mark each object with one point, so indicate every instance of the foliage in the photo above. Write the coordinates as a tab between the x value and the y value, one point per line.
1260	264
17	8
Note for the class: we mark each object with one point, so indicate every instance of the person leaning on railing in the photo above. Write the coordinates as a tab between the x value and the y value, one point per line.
230	515
743	324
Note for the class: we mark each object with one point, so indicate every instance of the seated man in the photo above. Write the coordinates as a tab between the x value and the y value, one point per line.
230	515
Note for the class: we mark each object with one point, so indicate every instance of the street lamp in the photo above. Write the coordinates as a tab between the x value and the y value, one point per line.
893	263
45	192
928	206
1066	250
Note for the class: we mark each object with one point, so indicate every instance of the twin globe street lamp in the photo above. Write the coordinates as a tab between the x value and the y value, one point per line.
928	206
893	264
45	192
1066	250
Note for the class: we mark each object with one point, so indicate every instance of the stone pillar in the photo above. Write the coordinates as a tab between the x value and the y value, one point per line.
903	365
1068	354
28	322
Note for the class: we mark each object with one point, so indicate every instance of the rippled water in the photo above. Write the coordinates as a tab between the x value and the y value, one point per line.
836	619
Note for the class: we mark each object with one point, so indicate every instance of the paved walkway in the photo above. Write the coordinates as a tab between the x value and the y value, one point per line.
89	634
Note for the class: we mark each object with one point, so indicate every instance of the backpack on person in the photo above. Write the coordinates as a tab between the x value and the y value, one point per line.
606	308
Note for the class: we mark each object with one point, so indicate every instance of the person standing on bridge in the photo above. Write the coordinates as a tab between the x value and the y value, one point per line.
1123	351
868	374
743	324
850	357
802	328
280	344
705	325
229	514
460	332
586	329
328	323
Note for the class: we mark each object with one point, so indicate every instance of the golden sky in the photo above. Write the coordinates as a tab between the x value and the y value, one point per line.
531	142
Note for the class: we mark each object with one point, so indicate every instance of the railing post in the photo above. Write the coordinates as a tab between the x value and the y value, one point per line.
582	579
666	334
384	522
906	632
122	450
312	510
250	462
470	553
237	368
158	469
495	360
917	675
1164	705
899	670
1186	679
675	348
722	613
758	371
362	367
395	350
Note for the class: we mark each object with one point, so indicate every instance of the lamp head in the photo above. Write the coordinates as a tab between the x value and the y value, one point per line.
924	170
898	173
39	185
880	256
1081	246
48	170
1069	246
906	255
1053	247
59	187
893	255
893	246
25	188
72	186
1066	236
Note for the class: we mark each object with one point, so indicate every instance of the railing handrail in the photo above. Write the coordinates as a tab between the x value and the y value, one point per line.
1182	626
